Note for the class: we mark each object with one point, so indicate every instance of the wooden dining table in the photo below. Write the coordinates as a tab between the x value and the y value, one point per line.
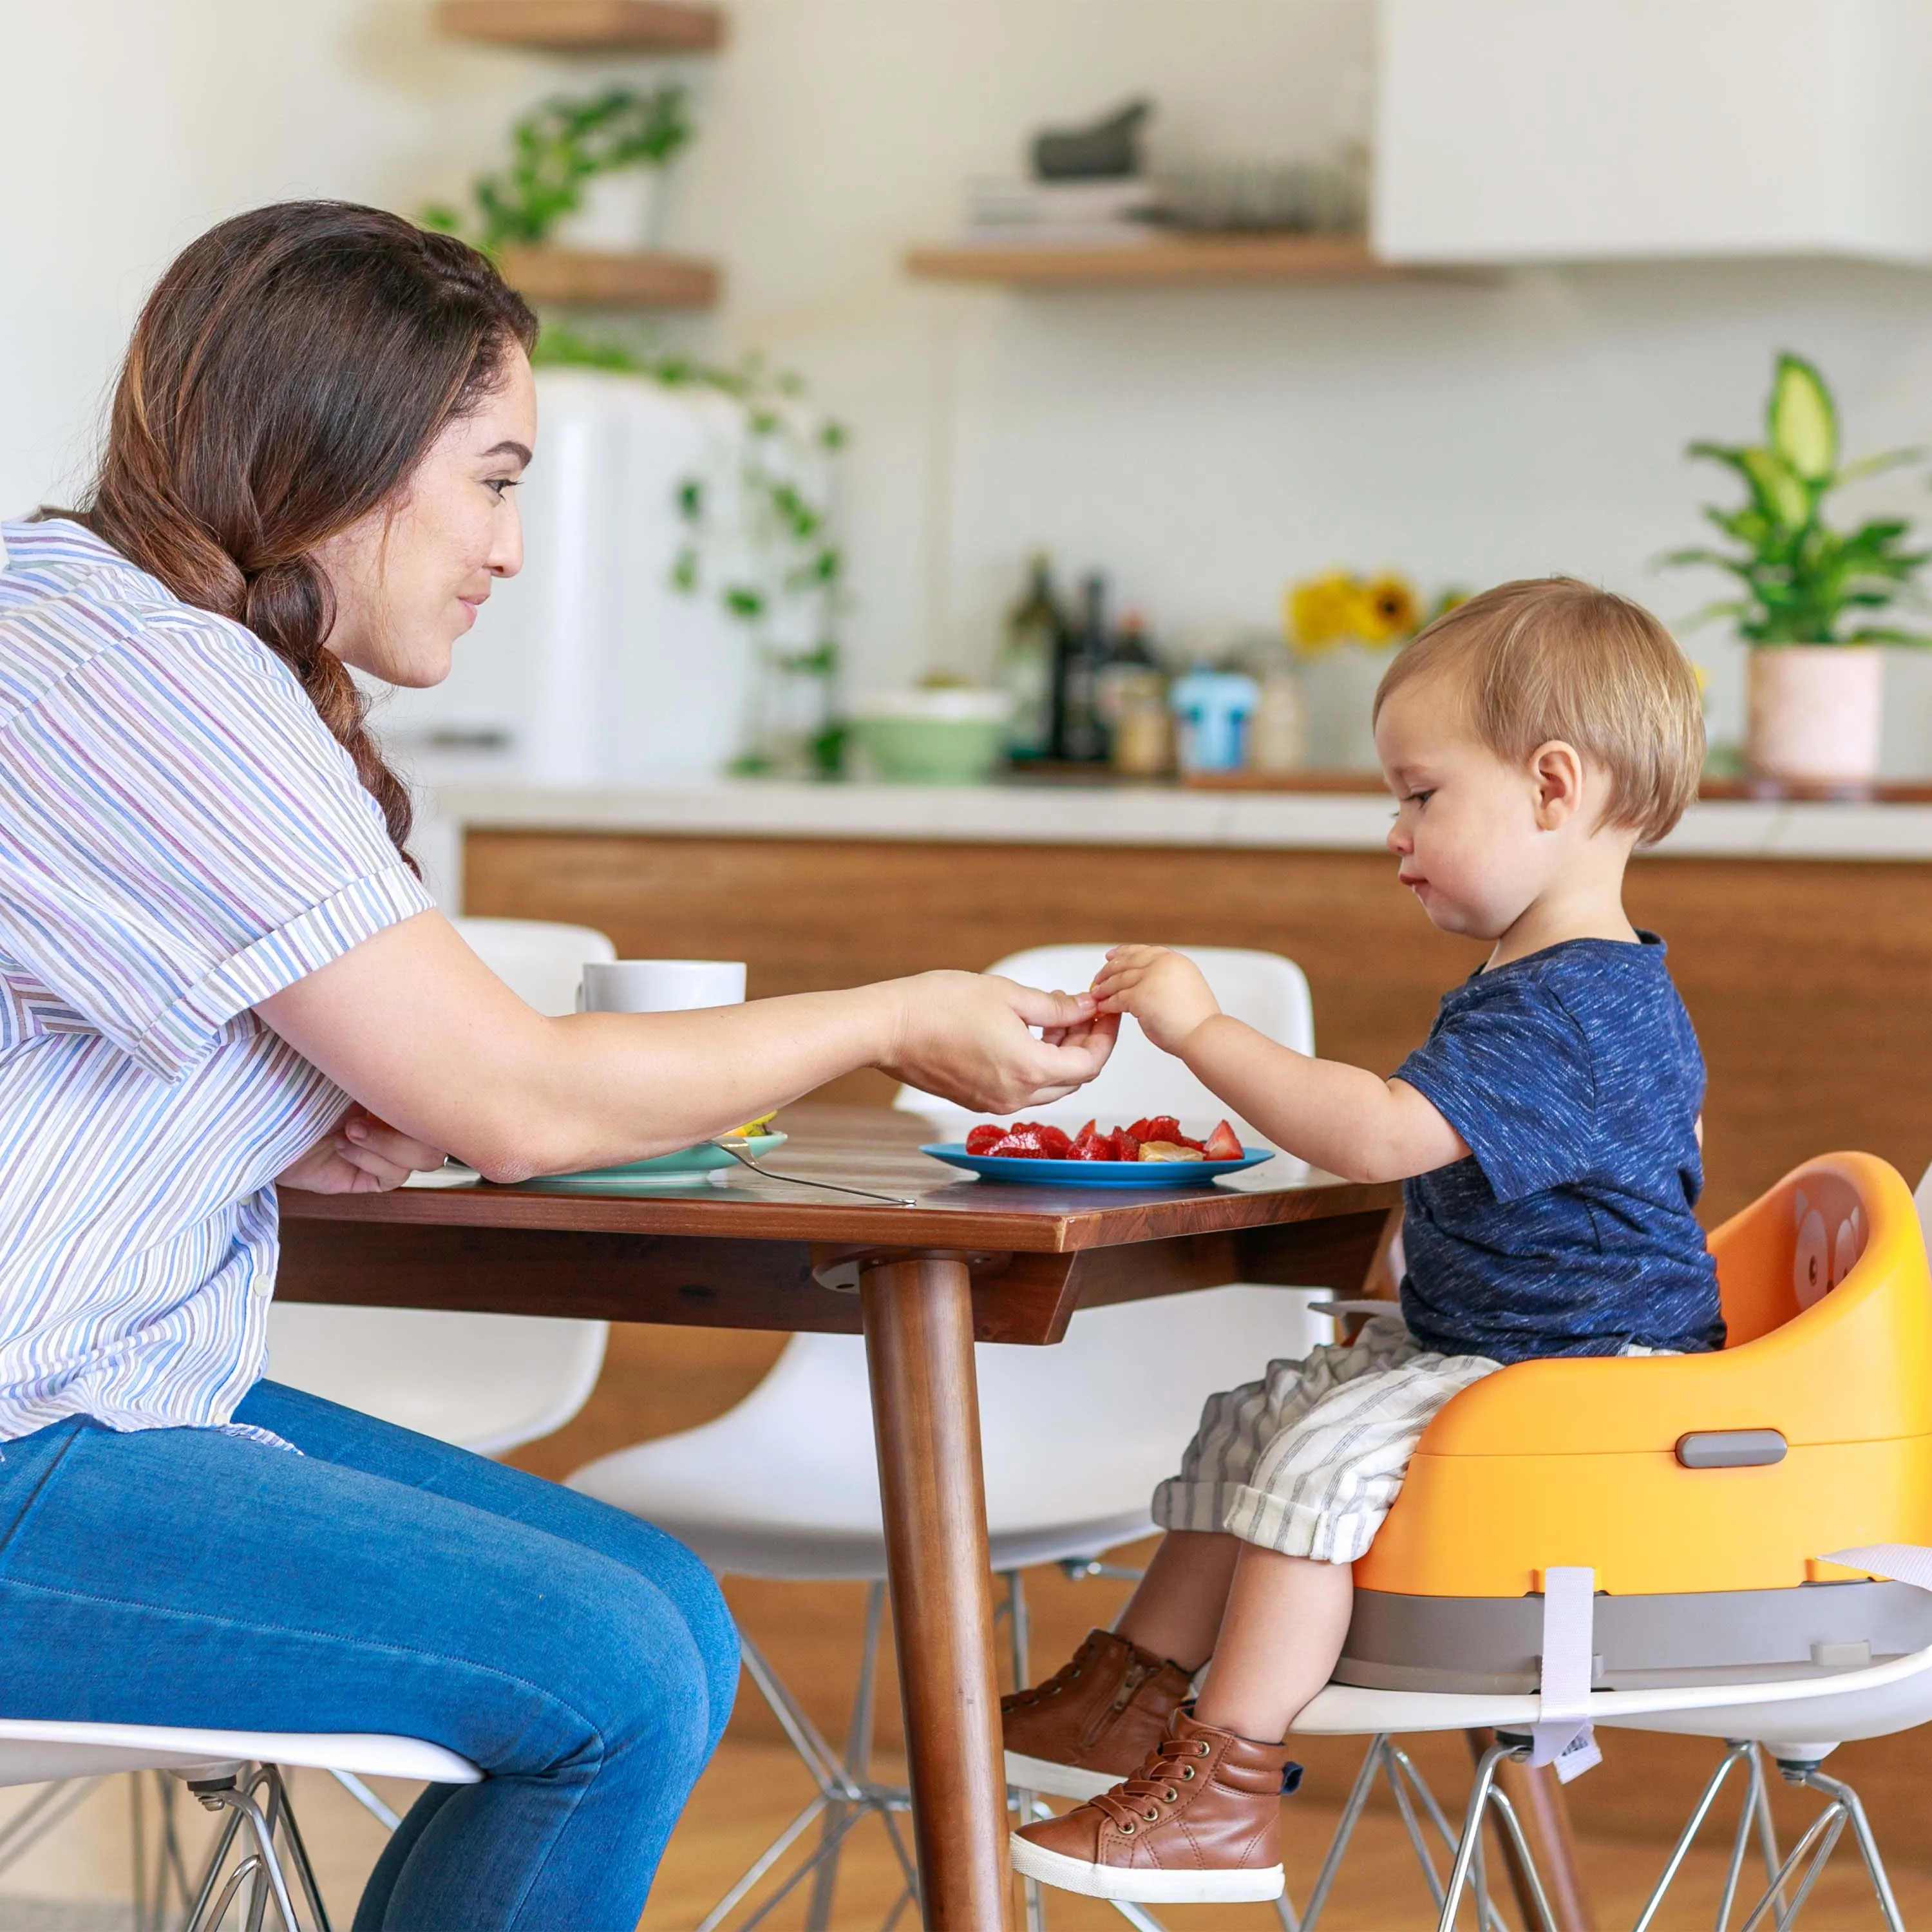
950	1261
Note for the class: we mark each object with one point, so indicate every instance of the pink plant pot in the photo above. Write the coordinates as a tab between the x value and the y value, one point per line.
1815	711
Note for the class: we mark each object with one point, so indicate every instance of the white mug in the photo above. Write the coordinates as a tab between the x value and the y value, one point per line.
659	985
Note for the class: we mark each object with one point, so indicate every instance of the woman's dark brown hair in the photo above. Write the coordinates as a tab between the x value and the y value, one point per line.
288	374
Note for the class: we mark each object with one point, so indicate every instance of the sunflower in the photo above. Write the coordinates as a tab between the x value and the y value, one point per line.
1386	611
1320	612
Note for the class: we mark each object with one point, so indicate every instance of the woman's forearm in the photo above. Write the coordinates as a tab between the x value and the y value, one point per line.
1343	1118
444	1050
413	1024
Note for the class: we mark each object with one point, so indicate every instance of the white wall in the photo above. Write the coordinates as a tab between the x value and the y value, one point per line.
1205	446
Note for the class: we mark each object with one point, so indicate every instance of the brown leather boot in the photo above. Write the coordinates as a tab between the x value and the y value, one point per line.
1199	1823
1094	1721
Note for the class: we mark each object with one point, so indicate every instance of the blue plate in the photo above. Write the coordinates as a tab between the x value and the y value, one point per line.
1092	1173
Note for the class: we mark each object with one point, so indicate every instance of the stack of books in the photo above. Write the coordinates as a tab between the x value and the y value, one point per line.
1007	214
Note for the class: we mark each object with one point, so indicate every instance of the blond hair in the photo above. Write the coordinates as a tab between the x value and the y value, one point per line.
1549	658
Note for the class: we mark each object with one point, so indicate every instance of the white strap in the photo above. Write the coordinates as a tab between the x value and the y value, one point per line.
1898	1562
1562	1734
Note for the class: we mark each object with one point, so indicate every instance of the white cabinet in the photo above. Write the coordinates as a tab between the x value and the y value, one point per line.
1523	131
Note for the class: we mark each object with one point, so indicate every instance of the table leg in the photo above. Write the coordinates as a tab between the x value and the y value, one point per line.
919	1344
1544	1814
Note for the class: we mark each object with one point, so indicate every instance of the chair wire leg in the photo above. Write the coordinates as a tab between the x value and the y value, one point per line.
1474	1818
1748	1819
211	1876
1767	1836
857	1764
1735	1754
299	1857
819	1758
367	1798
1512	1824
1018	1635
1397	1759
766	1859
1843	1795
1815	1845
1345	1830
784	1891
40	1814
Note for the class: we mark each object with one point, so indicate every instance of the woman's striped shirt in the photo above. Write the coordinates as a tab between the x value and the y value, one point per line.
180	838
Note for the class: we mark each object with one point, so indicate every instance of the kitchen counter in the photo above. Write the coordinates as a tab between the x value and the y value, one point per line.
1082	815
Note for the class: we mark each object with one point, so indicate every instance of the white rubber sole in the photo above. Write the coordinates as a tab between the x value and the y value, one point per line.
1055	1780
1141	1885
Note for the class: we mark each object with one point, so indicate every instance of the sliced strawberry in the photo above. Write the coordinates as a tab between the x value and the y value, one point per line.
1142	1129
984	1139
1162	1127
1053	1143
1223	1144
1127	1145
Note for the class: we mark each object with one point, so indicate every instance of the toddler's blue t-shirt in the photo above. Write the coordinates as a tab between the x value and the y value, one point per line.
1574	1077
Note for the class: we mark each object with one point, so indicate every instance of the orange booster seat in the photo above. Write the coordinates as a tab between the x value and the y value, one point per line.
1704	1491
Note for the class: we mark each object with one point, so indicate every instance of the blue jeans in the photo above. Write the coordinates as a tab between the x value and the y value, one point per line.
381	1581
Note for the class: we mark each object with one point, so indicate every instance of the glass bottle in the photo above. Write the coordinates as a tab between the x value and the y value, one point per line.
1029	657
1079	736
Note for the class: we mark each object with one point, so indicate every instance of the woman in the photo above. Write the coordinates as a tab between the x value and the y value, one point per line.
212	942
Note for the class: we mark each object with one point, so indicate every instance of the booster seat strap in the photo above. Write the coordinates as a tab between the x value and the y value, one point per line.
1561	1735
1898	1562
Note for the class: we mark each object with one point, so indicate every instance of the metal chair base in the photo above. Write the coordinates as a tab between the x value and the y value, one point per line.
1808	1857
847	1795
247	1867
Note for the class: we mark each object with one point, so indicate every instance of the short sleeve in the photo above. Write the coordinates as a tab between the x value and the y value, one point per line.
184	837
1511	1072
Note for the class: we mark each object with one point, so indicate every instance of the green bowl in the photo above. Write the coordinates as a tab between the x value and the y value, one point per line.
930	751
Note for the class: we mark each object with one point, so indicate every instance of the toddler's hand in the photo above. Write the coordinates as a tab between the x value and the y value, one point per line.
1163	991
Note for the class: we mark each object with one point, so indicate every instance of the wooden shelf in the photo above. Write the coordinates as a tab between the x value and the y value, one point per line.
639	280
586	26
1170	261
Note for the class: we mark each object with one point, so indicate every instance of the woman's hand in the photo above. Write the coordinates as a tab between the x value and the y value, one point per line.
359	1155
966	1036
1166	992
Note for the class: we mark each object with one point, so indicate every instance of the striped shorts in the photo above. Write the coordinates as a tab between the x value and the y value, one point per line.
1309	1459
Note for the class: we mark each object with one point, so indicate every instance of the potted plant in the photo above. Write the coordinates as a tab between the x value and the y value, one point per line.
1810	596
585	171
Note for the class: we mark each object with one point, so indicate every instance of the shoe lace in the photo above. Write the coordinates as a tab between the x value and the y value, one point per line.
1051	1686
1142	1798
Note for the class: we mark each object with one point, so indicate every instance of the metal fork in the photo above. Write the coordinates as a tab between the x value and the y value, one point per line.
735	1146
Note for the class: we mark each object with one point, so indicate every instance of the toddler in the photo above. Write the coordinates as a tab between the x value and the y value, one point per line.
1547	1137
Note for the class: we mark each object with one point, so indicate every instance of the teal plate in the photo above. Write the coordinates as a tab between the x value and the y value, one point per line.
687	1168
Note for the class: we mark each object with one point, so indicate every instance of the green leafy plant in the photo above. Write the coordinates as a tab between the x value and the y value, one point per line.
1802	581
767	553
557	147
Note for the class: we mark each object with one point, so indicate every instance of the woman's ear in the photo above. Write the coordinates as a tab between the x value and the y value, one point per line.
1557	771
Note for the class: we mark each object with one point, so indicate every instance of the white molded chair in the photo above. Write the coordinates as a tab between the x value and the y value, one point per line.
486	1382
786	1484
237	1772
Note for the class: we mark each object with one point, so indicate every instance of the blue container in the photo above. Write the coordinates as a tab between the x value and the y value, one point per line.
1211	710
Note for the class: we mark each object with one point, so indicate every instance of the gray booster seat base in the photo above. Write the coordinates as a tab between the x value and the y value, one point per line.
1720	1636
